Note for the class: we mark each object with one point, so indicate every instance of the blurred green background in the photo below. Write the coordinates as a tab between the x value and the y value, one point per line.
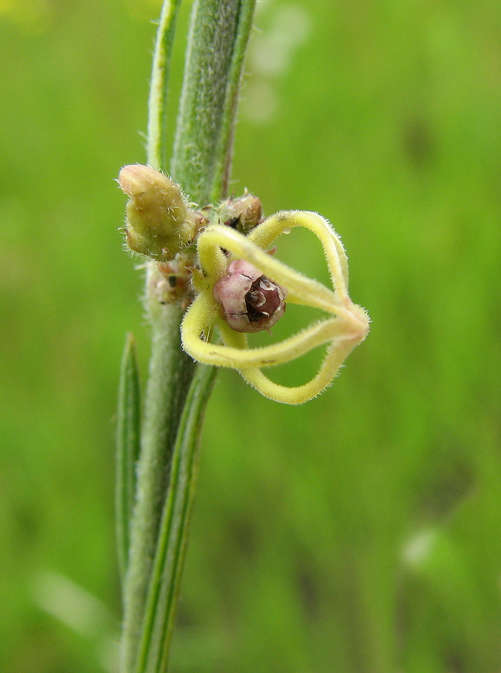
359	533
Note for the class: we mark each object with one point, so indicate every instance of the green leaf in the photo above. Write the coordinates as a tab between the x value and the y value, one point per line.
219	31
128	442
156	148
223	154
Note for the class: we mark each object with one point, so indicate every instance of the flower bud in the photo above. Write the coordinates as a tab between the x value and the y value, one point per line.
159	222
243	213
250	301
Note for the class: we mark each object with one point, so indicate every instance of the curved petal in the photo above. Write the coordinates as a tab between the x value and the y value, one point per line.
336	355
304	290
199	319
266	233
284	351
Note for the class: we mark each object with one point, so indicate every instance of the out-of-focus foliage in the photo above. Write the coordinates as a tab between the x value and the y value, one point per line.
359	533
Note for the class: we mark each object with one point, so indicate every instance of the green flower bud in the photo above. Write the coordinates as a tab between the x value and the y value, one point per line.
243	213
159	221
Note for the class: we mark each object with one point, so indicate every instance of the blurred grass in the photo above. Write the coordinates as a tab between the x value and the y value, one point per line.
361	532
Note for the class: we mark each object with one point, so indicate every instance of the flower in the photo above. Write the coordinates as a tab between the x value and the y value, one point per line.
223	293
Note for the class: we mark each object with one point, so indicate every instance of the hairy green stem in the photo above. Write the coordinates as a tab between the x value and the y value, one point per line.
205	123
173	535
172	415
170	374
169	377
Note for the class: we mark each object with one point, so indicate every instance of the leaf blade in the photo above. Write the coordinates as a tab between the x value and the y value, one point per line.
127	449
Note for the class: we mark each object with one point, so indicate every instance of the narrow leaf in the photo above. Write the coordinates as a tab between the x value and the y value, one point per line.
216	46
128	438
222	163
156	148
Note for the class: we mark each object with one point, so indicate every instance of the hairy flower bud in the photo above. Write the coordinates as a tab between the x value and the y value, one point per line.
250	301
159	222
243	213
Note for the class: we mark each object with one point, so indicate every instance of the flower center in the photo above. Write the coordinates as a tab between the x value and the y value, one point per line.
263	299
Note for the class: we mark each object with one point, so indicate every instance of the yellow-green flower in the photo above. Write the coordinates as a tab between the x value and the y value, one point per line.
347	325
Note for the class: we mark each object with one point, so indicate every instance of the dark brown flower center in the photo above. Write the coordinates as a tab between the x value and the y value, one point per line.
263	299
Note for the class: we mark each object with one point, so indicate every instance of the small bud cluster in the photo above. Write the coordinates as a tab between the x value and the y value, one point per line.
162	226
250	301
243	213
173	281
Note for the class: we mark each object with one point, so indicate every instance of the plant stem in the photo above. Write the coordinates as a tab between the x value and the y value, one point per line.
170	374
169	377
216	45
173	535
205	123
